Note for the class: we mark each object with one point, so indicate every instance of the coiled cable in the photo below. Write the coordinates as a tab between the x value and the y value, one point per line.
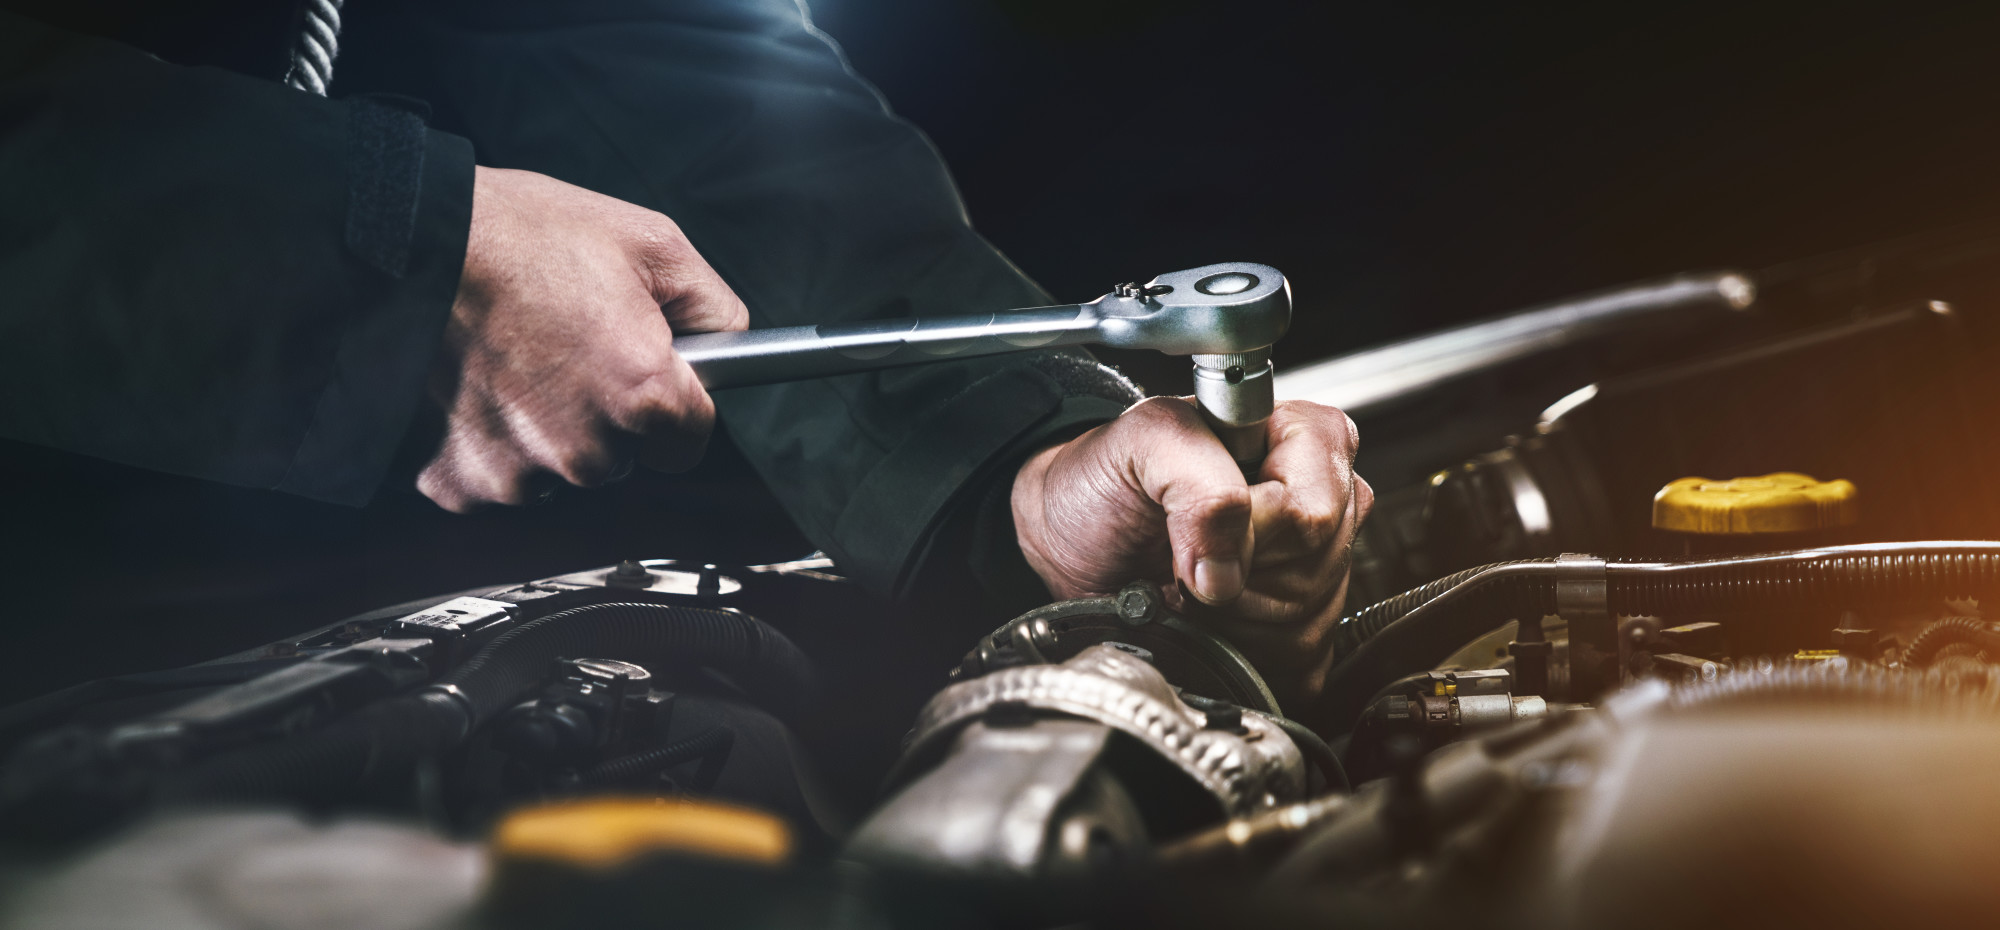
1856	686
714	741
1951	631
317	45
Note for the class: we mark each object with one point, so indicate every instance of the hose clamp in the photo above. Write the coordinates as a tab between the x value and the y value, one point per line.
1583	601
1582	591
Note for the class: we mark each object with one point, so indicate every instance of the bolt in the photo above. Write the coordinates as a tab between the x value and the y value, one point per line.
1139	603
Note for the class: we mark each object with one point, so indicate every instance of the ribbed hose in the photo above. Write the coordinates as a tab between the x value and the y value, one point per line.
1862	575
1362	626
1420	628
391	737
1951	631
1860	686
625	768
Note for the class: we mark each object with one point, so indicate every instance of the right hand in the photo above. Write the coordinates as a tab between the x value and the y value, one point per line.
558	358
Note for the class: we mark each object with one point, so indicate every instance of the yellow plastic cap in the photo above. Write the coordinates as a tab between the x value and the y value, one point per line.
1785	502
607	833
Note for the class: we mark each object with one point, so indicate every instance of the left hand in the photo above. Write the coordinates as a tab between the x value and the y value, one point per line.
1154	495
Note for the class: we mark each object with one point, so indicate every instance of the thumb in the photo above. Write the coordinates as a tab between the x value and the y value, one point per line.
1184	469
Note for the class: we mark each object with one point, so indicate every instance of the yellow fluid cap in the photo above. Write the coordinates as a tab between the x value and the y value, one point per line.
1783	502
607	833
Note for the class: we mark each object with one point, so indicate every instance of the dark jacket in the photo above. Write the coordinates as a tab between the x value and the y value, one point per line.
207	273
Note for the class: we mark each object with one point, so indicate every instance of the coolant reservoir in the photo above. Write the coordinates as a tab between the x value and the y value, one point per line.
1782	502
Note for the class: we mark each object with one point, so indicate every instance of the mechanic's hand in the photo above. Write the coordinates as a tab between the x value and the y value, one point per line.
1154	495
559	360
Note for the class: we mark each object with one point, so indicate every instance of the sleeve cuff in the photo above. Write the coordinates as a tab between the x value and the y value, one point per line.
409	211
946	471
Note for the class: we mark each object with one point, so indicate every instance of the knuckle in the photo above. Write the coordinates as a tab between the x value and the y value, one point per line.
484	479
510	490
1222	504
441	492
1318	529
654	232
583	466
1161	413
663	401
1334	422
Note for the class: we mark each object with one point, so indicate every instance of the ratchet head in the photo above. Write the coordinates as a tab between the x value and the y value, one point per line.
1220	309
1226	316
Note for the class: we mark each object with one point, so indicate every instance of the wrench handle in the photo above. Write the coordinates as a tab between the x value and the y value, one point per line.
795	353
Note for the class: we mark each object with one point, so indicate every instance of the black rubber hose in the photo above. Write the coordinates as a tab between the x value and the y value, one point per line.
391	737
1311	746
1366	623
1951	631
1380	644
713	740
1322	755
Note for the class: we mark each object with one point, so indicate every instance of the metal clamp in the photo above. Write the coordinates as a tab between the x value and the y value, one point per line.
1583	601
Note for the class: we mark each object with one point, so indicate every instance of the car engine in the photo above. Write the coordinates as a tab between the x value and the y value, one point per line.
1670	611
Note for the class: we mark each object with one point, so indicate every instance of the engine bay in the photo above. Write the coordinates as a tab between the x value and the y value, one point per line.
1671	618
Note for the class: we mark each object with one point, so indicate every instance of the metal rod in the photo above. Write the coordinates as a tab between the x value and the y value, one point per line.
1373	378
798	353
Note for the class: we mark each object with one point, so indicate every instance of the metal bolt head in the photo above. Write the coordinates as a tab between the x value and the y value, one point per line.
1138	603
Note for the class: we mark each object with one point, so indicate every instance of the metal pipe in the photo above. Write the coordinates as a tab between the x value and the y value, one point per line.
1370	379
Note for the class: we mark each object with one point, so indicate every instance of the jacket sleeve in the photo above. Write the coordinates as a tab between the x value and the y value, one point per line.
741	122
214	275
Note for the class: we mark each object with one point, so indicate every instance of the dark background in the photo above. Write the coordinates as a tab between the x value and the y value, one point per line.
1410	165
1407	166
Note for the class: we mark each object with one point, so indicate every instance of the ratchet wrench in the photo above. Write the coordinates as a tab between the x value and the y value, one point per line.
1225	317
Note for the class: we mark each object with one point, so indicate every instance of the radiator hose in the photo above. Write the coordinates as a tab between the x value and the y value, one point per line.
1420	628
388	739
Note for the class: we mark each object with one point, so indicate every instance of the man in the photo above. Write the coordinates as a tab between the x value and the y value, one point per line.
215	275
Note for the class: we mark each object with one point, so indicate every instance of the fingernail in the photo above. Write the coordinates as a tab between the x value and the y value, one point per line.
1218	580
